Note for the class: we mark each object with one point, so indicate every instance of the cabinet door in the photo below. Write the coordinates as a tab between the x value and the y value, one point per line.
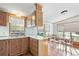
38	6
24	45
12	47
34	46
19	46
15	47
39	15
39	18
3	48
43	47
31	44
3	18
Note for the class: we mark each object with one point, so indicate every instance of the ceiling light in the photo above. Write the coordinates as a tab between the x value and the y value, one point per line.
33	17
17	12
64	11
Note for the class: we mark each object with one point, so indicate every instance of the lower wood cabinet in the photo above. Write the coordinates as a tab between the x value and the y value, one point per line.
18	46
39	47
14	47
24	45
34	46
3	47
43	47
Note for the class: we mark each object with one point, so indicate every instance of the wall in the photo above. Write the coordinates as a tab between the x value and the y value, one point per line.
49	27
55	29
31	31
4	31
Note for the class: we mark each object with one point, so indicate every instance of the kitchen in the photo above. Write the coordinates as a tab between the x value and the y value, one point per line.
39	29
20	34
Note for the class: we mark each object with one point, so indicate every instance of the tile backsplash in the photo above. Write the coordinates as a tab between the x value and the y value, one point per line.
4	31
31	31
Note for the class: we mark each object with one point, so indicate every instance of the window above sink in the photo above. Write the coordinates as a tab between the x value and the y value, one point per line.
16	26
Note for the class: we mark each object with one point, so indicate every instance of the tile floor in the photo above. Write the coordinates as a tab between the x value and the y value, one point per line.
52	51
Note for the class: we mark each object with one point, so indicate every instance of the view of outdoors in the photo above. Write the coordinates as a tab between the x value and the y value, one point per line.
66	35
16	26
65	47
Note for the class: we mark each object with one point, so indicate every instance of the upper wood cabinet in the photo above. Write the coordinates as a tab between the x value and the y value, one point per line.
38	6
39	15
3	18
28	21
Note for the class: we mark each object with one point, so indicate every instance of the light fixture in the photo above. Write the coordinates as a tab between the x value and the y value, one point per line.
64	11
17	13
33	17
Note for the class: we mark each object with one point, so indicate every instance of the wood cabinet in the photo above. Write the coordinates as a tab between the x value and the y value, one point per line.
28	21
14	46
36	18
3	18
39	47
3	47
25	45
17	46
43	47
39	15
39	19
34	46
31	45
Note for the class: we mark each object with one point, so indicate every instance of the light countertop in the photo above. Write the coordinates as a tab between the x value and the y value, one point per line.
32	36
7	37
39	37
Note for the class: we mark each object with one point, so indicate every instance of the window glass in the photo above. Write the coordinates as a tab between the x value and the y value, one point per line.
75	36
67	35
16	26
60	34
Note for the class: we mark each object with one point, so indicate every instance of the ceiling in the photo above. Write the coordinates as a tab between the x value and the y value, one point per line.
23	8
69	25
51	11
